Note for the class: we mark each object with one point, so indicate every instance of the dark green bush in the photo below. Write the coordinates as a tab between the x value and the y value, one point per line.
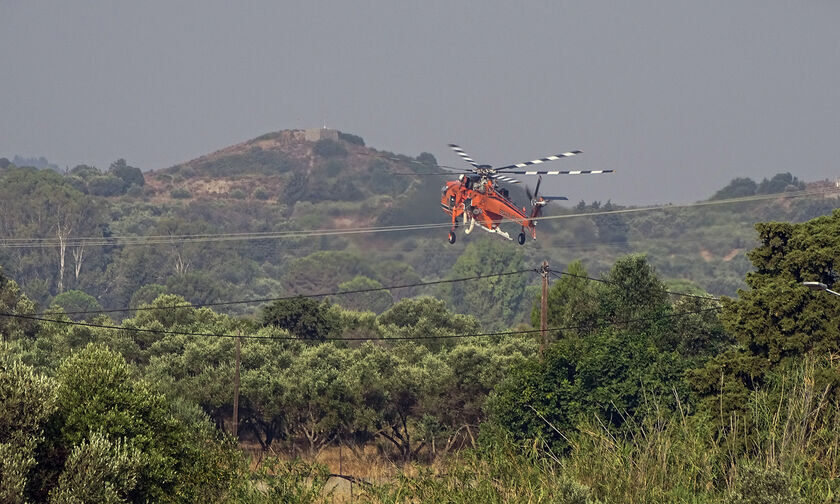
329	148
350	138
180	193
107	185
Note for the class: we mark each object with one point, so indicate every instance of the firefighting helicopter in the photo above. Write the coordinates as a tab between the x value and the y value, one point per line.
477	197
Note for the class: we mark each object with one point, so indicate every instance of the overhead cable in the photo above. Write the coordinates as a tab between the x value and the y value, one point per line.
280	298
10	242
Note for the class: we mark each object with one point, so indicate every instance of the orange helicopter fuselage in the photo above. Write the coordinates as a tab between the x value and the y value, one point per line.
486	203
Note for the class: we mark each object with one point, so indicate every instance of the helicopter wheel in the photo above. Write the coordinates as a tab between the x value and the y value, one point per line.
521	239
451	237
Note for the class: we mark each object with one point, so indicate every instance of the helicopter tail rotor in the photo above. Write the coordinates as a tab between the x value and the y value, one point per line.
537	201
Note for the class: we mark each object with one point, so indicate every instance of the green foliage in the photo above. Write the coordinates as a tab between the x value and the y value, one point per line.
780	182
572	301
327	148
425	315
76	301
28	400
85	172
303	317
13	301
497	474
610	374
777	320
146	294
130	175
350	138
180	193
759	485
375	301
97	470
97	394
295	189
323	271
624	348
256	161
497	298
106	185
738	188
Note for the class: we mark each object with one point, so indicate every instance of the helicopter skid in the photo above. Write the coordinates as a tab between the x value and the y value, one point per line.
498	232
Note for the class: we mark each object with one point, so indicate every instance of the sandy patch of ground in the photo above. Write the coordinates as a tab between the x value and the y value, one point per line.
732	254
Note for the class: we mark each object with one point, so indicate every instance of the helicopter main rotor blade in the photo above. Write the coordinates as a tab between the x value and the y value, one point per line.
461	152
555	157
392	159
559	172
509	180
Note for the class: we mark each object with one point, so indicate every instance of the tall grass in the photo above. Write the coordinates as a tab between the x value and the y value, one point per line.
784	450
791	434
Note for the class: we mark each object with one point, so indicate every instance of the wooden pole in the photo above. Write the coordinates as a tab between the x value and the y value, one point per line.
544	308
236	390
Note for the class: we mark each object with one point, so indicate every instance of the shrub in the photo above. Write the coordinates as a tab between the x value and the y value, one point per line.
107	185
261	194
349	138
76	301
237	194
180	193
135	191
329	148
128	174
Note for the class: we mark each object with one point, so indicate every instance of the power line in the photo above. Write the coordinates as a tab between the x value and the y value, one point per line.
265	300
359	338
301	234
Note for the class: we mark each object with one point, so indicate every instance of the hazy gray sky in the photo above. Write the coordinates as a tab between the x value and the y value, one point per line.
679	96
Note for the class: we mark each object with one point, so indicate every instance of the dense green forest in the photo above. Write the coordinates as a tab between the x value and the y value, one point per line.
650	389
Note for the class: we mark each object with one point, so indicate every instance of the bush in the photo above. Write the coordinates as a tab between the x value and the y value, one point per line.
261	194
76	301
329	148
349	138
77	183
237	194
130	175
758	485
180	193
303	317
107	185
135	191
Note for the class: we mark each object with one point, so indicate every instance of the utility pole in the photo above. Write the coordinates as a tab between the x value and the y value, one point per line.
544	308
236	390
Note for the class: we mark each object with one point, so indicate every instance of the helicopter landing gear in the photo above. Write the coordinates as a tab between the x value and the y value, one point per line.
521	239
451	237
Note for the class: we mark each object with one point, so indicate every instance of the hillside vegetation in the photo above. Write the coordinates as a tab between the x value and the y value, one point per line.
62	236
